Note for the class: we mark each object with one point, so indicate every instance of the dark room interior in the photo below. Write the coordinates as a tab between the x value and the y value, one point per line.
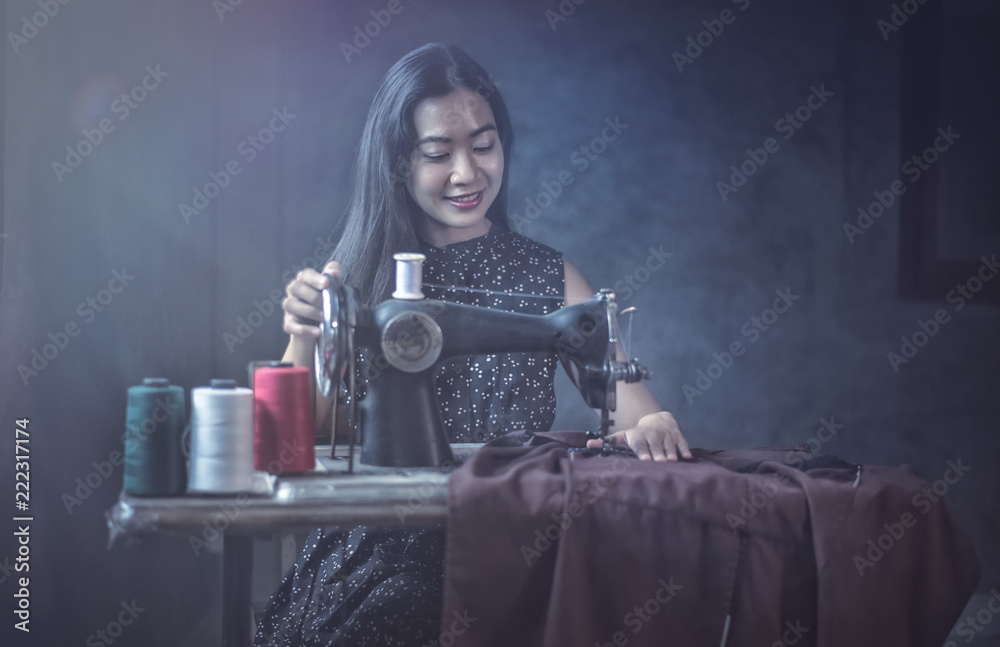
800	200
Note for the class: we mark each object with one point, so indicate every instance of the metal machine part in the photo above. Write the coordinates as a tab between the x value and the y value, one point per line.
334	335
400	424
334	354
411	341
593	367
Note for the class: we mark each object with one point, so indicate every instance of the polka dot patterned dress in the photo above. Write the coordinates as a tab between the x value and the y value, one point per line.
383	586
488	396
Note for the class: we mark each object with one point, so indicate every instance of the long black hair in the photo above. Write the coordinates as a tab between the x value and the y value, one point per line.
381	215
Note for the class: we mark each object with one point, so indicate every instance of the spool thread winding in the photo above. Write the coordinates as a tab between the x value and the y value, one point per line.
154	426
221	438
283	420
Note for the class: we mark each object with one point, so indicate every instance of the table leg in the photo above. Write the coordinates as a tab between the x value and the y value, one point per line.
237	564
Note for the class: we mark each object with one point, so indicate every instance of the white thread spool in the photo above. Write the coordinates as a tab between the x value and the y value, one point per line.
221	438
409	276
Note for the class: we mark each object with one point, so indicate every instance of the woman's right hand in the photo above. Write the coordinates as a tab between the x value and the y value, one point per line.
303	303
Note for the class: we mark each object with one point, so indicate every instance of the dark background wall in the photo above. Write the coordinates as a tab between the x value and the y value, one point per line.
654	186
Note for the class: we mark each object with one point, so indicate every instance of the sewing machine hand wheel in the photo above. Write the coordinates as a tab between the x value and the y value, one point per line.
335	346
335	356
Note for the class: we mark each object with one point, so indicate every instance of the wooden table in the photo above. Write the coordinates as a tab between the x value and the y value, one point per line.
328	497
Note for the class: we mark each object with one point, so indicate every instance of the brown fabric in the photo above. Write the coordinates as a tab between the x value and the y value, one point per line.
551	547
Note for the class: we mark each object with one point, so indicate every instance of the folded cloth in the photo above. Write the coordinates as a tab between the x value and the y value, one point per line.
550	544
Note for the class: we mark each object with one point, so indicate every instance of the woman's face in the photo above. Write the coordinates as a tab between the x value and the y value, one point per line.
456	166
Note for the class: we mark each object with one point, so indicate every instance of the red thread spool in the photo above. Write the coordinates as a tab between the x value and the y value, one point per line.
283	420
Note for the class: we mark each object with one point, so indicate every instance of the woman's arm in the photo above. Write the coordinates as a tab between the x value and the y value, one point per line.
640	421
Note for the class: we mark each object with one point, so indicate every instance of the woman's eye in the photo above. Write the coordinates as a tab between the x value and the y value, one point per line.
435	158
483	149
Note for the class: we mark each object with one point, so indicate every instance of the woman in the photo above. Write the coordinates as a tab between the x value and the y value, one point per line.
431	176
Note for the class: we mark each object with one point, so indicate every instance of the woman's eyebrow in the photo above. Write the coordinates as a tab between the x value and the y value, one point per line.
481	130
447	140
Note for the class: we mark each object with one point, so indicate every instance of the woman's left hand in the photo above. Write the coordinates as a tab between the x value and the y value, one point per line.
656	437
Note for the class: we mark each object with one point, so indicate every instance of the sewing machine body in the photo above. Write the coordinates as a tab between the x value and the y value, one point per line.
399	415
398	418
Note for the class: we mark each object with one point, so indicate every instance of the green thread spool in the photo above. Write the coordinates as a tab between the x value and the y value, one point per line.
154	425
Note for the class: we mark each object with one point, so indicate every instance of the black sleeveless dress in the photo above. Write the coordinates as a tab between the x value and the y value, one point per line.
369	586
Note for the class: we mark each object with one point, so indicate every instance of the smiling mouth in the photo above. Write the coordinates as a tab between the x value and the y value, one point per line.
466	201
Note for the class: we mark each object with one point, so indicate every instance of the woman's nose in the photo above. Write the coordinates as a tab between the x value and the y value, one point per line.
464	169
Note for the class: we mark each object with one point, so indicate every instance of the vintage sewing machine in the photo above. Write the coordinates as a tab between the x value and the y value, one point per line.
397	422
